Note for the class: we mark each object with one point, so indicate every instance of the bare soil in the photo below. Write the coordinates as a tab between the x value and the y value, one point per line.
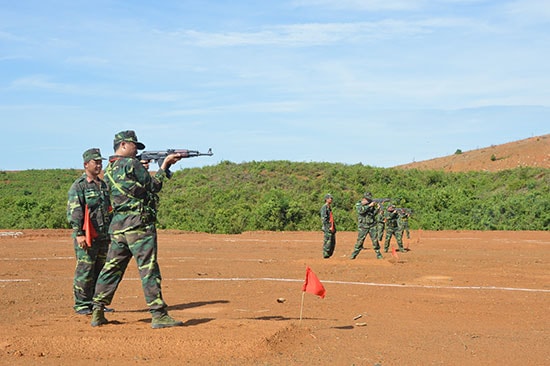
456	298
531	152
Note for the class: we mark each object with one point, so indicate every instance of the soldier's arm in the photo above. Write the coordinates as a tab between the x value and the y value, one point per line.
75	209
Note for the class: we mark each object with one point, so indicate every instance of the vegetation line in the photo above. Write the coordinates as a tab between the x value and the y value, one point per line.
230	198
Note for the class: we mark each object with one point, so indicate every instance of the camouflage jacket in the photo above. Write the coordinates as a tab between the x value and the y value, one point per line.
326	213
403	219
133	193
391	219
96	196
366	215
380	215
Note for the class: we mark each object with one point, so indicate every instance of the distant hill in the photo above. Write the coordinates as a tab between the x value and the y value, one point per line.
233	198
531	152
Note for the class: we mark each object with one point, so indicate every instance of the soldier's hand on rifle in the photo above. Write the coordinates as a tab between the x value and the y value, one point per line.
171	159
145	163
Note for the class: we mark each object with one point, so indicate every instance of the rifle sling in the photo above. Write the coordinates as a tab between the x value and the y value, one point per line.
118	186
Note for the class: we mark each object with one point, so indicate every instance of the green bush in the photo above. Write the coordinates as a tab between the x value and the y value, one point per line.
282	195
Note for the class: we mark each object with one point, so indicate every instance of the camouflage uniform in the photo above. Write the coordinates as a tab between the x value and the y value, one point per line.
392	228
89	261
133	231
329	229
366	224
380	224
403	222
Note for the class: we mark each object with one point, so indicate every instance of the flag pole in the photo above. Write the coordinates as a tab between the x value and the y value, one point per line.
302	306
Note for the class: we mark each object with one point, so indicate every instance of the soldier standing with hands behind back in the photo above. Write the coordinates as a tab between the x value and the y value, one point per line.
329	228
89	192
133	229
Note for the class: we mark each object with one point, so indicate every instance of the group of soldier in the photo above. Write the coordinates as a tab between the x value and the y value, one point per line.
373	218
113	221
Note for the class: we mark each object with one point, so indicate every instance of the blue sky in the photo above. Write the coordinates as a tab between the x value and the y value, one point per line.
377	82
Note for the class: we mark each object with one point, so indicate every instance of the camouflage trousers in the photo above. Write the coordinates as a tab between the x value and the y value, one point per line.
398	236
362	235
380	231
405	229
329	243
141	244
88	265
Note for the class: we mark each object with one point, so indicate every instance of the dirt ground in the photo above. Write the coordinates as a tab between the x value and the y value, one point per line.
530	152
456	298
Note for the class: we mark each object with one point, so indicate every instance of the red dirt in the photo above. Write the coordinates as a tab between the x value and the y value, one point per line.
531	152
460	297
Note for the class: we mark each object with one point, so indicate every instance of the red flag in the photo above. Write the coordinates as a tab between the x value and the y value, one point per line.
313	285
394	252
88	227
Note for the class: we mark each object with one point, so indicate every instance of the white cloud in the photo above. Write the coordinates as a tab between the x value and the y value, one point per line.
529	11
87	61
365	5
6	36
35	82
252	107
314	34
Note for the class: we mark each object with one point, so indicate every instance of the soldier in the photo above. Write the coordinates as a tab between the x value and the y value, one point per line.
329	227
380	224
89	192
133	229
403	222
366	223
392	228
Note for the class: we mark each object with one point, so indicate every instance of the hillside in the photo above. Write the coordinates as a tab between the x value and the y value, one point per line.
233	198
531	152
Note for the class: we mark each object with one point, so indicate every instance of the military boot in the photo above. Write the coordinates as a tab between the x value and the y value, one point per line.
164	321
98	317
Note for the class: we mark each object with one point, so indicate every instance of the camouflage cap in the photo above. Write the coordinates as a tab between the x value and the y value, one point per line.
327	196
92	154
129	136
367	195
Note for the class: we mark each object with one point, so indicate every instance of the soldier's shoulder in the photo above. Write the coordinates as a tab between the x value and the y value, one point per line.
79	180
103	182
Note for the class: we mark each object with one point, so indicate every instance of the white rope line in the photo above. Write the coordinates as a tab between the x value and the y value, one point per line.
36	259
18	280
14	234
374	284
368	284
